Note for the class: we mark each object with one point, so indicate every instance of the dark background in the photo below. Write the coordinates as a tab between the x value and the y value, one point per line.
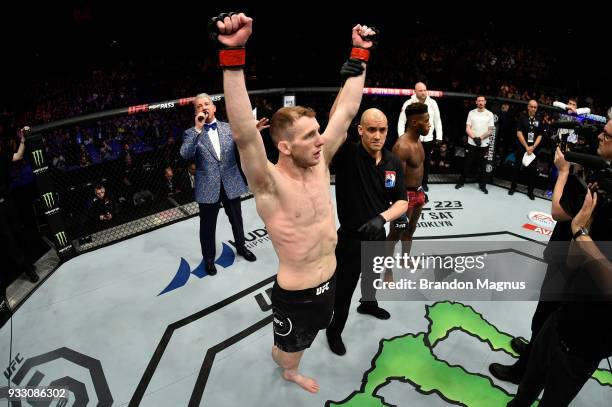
294	43
49	49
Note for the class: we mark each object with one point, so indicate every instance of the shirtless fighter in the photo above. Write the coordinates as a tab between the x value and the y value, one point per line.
293	196
409	149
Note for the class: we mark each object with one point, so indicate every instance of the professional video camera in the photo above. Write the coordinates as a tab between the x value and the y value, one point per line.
598	172
586	136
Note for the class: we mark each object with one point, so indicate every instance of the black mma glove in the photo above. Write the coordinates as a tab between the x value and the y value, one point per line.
229	57
352	67
373	228
477	141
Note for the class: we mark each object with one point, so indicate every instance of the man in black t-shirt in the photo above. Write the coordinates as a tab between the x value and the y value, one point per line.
555	256
529	135
370	191
12	239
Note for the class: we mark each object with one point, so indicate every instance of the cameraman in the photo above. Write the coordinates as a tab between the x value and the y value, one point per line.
552	286
604	150
569	135
555	255
578	334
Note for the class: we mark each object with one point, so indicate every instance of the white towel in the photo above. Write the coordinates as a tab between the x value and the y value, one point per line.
527	159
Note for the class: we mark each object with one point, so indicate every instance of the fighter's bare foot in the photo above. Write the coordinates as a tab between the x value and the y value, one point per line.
305	382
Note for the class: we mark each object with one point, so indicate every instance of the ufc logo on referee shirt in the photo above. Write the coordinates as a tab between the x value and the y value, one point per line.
323	288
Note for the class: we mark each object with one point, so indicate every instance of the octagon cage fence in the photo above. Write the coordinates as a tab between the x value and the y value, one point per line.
133	153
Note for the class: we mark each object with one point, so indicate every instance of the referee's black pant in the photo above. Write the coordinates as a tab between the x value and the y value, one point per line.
348	270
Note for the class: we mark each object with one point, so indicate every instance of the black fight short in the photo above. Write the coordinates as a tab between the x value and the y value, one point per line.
299	315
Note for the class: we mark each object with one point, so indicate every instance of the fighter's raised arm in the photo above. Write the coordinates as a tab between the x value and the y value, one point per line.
232	32
347	103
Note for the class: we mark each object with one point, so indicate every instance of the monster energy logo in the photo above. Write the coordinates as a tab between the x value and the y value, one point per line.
61	238
37	156
49	200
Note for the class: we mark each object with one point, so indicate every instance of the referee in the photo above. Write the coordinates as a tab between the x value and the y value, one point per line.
370	191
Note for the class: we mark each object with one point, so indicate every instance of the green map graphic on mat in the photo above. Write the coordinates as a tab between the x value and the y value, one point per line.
410	359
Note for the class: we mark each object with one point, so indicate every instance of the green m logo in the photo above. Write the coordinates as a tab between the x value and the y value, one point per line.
61	238
37	156
49	200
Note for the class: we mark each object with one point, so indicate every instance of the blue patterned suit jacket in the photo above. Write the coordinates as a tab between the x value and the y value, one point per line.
210	171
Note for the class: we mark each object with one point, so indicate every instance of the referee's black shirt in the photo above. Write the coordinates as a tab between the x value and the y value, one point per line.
364	189
531	127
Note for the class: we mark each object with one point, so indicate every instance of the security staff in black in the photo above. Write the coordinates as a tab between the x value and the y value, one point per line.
529	136
370	191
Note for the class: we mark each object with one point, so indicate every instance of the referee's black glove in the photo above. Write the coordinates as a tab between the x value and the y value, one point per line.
372	229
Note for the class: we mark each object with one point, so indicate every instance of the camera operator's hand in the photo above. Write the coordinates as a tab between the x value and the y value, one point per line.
560	163
584	217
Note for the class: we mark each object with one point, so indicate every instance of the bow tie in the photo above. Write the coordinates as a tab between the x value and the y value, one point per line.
210	126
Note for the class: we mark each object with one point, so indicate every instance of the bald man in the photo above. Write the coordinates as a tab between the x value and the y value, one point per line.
435	124
529	135
370	192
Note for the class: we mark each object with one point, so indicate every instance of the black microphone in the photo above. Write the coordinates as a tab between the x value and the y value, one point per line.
581	128
565	125
202	118
590	128
587	160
